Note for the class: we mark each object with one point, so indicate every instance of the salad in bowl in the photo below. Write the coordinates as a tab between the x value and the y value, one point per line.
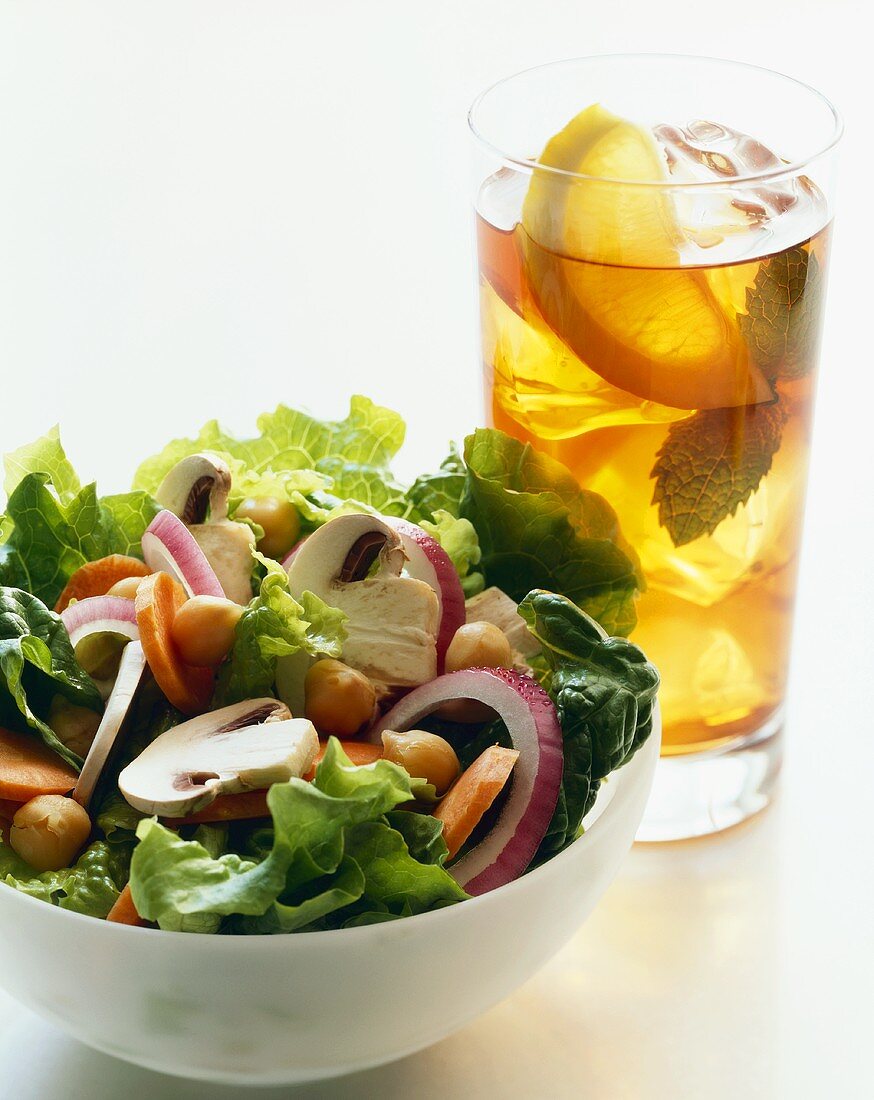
273	690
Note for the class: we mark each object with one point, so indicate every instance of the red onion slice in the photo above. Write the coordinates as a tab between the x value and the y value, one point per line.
100	615
429	562
169	547
530	717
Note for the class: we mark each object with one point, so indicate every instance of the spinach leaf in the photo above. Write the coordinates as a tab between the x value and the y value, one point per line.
604	690
36	663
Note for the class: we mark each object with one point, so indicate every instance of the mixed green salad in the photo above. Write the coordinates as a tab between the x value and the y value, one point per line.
272	689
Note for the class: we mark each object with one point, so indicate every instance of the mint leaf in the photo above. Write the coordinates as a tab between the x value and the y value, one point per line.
710	464
784	309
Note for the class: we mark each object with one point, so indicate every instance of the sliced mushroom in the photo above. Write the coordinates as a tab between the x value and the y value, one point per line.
354	562
244	747
228	548
494	606
130	674
196	490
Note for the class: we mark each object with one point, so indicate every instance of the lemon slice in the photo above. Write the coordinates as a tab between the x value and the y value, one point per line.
602	251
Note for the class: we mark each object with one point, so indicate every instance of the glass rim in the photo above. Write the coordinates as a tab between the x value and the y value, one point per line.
790	168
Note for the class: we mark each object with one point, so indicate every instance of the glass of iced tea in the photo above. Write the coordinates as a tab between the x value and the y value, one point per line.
653	237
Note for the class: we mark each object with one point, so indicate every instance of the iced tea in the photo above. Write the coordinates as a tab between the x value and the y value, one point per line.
664	348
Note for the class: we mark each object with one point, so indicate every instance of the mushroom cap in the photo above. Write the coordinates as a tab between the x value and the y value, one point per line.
343	550
196	484
247	746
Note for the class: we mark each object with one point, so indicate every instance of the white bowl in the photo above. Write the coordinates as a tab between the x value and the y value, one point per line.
286	1009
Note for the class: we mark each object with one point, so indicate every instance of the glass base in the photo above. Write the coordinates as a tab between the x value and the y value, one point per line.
707	792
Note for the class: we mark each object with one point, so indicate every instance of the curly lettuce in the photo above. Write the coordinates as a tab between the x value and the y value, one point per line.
335	857
275	625
350	458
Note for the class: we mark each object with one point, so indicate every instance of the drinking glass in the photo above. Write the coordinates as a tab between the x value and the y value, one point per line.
653	238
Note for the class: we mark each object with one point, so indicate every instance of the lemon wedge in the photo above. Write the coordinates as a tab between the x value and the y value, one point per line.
602	251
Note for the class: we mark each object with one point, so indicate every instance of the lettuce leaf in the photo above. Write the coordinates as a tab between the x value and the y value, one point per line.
276	625
459	539
88	887
604	691
322	863
351	456
36	663
440	492
45	455
538	529
53	524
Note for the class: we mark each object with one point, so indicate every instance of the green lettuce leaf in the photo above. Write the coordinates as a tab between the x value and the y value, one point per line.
459	539
53	524
354	454
45	455
125	517
276	625
440	492
319	863
538	529
36	663
604	691
88	887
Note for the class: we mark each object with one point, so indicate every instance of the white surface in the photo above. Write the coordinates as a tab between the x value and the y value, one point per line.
211	207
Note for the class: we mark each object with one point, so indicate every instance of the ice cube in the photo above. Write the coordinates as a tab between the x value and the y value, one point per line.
748	218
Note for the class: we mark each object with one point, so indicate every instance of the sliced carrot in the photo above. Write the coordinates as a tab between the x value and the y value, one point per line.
359	752
95	578
28	768
124	911
158	599
227	807
467	802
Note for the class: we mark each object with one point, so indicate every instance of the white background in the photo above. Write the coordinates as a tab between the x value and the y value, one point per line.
206	208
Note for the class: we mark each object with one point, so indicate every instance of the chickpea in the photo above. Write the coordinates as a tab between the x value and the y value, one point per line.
126	588
424	755
203	630
49	831
278	519
339	699
478	645
73	725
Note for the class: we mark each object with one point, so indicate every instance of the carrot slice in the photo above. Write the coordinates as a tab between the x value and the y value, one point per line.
95	578
359	752
227	807
28	768
158	599
467	802
124	911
